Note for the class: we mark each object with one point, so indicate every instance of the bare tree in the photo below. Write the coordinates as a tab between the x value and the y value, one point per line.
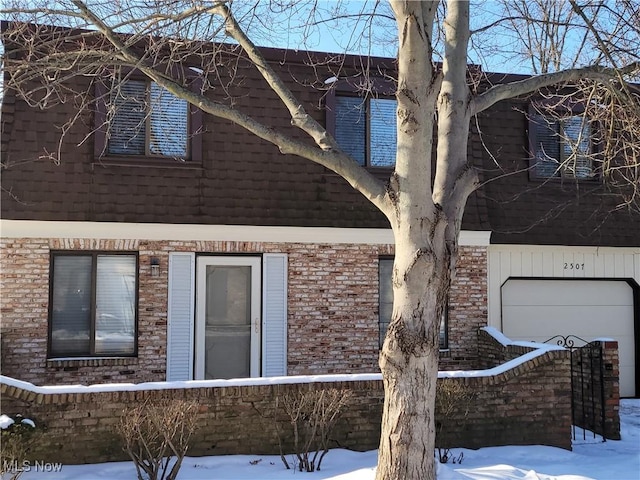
424	204
556	34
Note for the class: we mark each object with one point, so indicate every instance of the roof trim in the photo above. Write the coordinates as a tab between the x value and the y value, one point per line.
185	232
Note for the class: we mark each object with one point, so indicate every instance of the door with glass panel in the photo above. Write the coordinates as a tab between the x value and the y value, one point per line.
227	317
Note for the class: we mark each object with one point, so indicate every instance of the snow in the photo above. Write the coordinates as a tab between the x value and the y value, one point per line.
497	335
237	382
28	421
5	421
591	459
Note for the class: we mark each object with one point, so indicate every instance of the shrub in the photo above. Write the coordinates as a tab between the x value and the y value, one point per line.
154	432
453	400
17	436
311	416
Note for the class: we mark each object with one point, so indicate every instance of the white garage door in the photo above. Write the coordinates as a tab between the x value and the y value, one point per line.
536	310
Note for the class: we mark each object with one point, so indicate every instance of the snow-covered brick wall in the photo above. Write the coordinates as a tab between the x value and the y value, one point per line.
526	401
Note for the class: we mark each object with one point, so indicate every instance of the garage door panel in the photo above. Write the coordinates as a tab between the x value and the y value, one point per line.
536	310
566	292
591	321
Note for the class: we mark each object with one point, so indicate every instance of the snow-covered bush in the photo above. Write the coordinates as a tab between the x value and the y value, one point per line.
17	435
311	416
156	436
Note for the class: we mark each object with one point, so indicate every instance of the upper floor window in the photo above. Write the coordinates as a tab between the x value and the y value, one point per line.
385	272
561	147
147	120
366	129
137	119
93	305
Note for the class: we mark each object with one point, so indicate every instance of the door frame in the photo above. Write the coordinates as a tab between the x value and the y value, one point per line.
202	262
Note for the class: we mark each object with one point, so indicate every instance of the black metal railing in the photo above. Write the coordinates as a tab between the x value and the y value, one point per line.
587	384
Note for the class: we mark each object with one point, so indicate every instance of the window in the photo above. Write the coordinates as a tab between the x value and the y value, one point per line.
561	147
147	120
385	271
366	129
93	305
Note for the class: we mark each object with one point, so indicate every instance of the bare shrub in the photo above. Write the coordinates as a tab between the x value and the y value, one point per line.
311	415
156	431
453	400
17	436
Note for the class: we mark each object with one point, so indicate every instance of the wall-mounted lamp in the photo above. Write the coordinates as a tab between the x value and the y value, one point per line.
155	267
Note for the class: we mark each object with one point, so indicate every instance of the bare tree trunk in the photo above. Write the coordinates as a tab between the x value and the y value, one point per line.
409	363
426	220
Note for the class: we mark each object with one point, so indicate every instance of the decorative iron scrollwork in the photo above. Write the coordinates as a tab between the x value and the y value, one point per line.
567	341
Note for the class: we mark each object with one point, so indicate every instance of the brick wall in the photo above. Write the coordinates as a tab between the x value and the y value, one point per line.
467	309
332	311
492	353
529	404
526	405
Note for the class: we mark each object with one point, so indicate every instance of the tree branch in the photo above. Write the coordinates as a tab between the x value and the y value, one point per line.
333	159
531	84
299	117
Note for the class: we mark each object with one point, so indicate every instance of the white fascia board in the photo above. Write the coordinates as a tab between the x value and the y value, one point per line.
186	232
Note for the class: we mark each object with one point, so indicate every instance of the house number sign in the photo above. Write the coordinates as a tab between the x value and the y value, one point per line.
573	266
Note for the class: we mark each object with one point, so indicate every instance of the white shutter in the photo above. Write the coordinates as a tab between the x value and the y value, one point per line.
180	316
274	315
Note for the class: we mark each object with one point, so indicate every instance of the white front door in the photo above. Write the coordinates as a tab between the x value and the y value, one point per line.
228	319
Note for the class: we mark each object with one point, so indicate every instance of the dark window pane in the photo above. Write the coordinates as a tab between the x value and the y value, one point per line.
115	304
75	307
351	127
168	130
547	147
443	335
382	131
71	306
563	147
127	132
385	271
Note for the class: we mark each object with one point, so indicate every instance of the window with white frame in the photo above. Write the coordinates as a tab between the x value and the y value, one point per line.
145	119
385	272
93	307
366	129
561	147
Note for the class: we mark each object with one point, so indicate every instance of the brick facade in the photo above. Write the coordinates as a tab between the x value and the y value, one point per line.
332	308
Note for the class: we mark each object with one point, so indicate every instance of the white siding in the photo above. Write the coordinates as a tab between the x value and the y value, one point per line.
180	316
561	262
528	261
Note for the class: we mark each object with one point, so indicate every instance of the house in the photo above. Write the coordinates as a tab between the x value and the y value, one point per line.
191	249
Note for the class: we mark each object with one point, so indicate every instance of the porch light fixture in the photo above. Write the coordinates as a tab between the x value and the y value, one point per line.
155	267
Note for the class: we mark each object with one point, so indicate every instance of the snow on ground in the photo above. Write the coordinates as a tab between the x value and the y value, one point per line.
591	459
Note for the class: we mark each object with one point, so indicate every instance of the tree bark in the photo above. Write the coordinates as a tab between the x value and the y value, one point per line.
426	220
409	362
